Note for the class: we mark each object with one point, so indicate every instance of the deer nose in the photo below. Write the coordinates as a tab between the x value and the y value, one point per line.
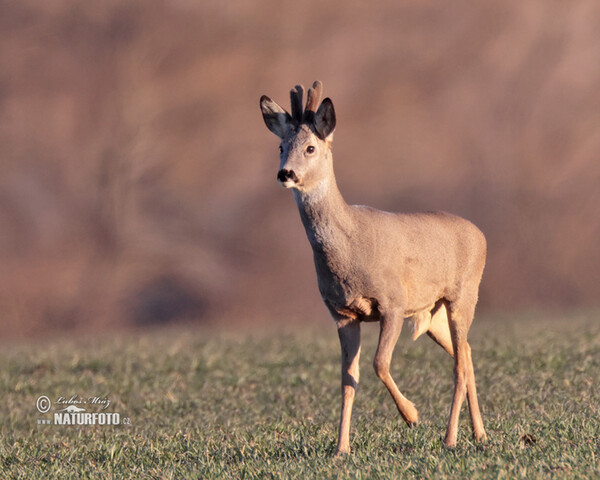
284	175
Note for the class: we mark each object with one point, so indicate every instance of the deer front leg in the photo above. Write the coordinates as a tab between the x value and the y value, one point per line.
349	333
390	328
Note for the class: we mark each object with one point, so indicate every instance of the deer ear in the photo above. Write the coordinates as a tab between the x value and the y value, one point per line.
275	117
325	119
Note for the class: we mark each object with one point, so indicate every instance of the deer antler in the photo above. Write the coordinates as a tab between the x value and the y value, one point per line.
296	95
313	100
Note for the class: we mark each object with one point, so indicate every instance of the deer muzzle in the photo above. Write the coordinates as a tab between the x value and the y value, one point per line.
287	178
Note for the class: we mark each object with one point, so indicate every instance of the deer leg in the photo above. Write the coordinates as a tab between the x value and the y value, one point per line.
459	344
439	331
475	414
349	333
460	318
388	336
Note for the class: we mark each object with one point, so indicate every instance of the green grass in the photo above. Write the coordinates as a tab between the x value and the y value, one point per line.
205	404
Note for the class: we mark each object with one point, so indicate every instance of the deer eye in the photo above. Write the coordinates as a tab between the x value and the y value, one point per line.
310	149
280	149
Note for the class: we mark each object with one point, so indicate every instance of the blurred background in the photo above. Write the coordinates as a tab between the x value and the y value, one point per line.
137	179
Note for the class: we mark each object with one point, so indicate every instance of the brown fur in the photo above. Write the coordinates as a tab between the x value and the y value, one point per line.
378	266
314	96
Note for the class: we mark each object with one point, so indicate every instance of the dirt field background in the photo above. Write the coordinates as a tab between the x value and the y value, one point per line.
137	179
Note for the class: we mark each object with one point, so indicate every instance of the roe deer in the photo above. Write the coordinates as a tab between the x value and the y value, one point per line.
375	266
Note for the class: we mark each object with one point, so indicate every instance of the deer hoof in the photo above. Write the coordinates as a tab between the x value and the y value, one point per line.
450	443
341	453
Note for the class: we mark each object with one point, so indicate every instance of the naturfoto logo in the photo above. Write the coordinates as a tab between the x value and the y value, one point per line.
73	410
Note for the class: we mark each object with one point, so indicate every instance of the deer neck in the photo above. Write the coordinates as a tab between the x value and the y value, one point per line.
325	215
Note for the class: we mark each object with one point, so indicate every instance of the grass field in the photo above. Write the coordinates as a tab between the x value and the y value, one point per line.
206	404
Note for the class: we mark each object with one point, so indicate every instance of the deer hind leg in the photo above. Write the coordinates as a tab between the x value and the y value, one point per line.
464	377
390	328
476	420
349	333
439	331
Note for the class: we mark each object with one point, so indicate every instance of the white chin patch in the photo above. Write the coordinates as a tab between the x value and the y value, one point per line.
288	184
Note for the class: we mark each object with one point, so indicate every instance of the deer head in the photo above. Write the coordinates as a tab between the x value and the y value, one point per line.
306	135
